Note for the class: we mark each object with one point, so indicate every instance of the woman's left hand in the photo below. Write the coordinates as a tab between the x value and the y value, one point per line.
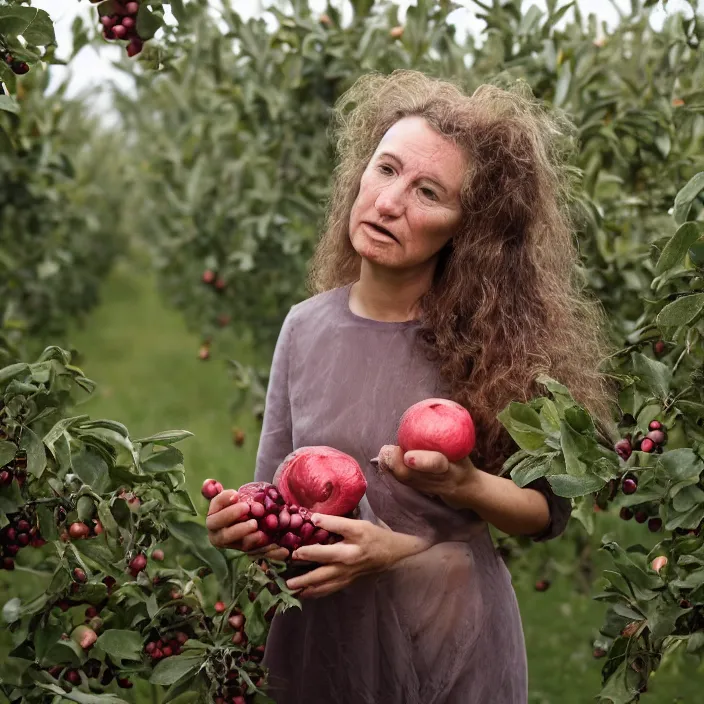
365	548
429	472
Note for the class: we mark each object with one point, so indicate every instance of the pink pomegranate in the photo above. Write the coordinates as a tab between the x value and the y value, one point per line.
440	425
287	525
321	479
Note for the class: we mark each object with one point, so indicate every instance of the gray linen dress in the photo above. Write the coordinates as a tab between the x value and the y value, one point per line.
442	627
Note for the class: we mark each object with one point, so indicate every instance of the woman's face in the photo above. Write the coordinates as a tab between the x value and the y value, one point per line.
411	187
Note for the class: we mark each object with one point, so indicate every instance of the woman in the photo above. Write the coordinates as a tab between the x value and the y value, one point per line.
447	268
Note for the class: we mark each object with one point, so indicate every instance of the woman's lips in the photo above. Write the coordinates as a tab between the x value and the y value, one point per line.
379	230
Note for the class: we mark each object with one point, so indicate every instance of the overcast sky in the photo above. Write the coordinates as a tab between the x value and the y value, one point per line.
91	68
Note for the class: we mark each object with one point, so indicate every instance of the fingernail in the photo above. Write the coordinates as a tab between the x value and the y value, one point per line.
315	518
411	461
374	461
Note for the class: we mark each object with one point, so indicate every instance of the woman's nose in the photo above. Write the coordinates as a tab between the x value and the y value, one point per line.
390	200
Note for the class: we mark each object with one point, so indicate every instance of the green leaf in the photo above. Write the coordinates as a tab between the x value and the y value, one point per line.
168	437
681	464
28	22
523	424
571	486
36	456
81	697
685	198
9	104
123	645
676	249
12	371
695	642
163	461
92	469
681	311
530	469
195	538
656	375
172	669
12	610
148	23
661	617
47	523
8	450
573	446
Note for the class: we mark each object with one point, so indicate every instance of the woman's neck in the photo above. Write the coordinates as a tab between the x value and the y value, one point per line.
388	296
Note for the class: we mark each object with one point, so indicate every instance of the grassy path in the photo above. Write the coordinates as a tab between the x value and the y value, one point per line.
149	377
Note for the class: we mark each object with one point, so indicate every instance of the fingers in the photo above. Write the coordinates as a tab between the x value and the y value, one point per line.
222	500
233	535
342	553
316	577
391	460
227	515
324	589
427	461
346	527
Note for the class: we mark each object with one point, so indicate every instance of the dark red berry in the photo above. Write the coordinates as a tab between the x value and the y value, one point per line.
629	486
641	516
655	425
138	563
79	575
124	683
132	7
647	445
120	31
5	478
220	606
654	525
623	448
167	651
657	436
542	585
625	513
134	47
109	582
685	604
23	526
659	348
91	612
73	677
8	564
23	539
20	67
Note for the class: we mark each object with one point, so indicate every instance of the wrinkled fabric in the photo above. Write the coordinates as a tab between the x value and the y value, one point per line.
441	627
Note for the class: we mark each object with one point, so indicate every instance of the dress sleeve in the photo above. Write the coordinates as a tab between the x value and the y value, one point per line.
560	510
276	440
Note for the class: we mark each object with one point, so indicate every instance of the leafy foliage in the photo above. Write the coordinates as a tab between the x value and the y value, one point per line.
127	497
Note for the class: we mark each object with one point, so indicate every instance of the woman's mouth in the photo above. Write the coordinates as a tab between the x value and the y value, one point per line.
381	230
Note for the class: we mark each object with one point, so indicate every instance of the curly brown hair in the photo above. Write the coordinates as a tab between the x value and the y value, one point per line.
507	301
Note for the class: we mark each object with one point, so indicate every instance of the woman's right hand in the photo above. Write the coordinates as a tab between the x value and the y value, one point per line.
226	529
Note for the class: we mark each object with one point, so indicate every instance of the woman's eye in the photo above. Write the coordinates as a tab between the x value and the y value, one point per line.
384	166
429	193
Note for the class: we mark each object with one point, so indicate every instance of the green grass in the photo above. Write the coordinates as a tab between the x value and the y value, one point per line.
149	377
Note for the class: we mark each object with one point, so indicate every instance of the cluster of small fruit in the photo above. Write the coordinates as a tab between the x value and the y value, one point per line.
122	25
654	441
91	670
210	278
15	470
19	533
18	67
159	648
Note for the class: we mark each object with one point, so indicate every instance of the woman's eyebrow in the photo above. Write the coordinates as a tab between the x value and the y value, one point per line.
425	176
